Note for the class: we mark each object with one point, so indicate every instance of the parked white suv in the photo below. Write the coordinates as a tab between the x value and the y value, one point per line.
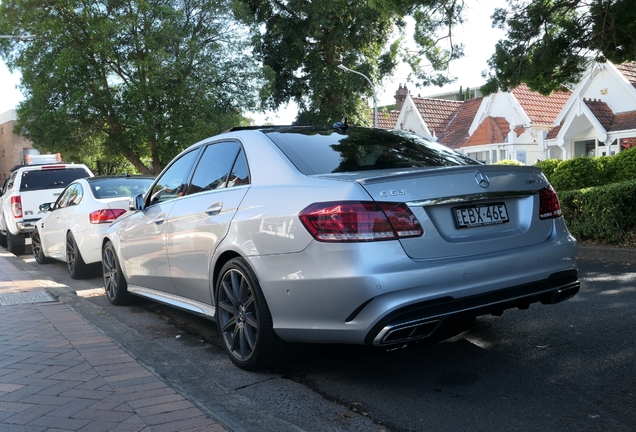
27	187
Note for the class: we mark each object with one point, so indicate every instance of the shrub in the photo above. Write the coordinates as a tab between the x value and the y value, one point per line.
603	214
508	162
548	167
622	167
578	173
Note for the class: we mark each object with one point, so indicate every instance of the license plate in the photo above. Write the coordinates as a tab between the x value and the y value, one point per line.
480	215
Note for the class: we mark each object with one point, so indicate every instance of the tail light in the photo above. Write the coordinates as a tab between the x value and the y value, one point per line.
356	221
549	205
16	206
105	215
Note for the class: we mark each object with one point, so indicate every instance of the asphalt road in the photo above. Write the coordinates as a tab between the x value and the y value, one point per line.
564	367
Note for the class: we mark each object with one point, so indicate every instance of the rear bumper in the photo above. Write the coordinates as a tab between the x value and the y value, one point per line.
26	226
421	320
89	241
363	293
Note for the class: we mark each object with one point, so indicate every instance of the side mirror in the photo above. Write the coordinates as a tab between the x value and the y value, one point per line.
136	202
46	207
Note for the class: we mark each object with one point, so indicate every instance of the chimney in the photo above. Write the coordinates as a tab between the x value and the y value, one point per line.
400	97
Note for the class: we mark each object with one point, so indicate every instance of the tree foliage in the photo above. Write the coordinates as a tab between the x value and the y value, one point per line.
435	22
302	42
138	78
550	43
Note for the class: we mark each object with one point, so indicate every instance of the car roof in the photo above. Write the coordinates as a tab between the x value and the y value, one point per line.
48	165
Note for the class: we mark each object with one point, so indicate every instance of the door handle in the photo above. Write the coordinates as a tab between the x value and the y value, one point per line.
159	221
215	209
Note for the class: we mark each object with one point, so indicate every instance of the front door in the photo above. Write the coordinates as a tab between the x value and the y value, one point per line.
143	234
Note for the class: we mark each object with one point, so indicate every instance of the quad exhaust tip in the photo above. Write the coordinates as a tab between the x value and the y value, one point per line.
411	331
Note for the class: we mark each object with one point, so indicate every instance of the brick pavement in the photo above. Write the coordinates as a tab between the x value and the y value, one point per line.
59	373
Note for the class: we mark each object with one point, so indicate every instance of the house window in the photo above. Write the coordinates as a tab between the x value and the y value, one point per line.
585	148
480	156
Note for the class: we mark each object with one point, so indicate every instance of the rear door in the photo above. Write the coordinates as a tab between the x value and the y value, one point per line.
201	219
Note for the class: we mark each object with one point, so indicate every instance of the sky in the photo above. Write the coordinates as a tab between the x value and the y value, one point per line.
477	35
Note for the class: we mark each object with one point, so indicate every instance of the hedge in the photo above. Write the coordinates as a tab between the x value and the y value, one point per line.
508	162
604	214
584	172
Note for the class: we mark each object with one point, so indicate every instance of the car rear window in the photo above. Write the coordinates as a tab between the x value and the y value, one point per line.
321	151
50	178
120	187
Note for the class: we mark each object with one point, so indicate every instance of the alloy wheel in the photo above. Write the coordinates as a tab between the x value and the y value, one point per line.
238	314
36	246
71	254
110	273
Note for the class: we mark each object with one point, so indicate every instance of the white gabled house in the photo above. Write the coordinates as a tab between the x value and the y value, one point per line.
505	125
427	117
599	118
509	125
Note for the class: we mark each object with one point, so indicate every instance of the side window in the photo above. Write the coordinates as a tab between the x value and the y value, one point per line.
240	175
173	181
214	167
11	180
77	193
64	198
4	187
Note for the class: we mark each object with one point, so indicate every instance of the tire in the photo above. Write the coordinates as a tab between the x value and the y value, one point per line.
36	248
244	320
15	244
77	268
3	236
115	283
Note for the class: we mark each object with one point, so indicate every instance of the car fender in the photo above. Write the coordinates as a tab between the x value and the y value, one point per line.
39	224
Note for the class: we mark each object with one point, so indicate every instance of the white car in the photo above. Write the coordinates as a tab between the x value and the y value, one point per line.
73	226
28	186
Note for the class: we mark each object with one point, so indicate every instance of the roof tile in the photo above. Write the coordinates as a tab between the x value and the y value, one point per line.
387	119
456	130
552	133
436	112
493	130
629	71
601	111
541	109
623	121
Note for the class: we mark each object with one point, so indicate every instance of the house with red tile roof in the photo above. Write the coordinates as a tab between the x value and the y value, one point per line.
505	125
597	118
427	117
508	125
600	116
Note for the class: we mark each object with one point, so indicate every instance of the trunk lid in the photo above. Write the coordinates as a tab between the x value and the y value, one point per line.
467	210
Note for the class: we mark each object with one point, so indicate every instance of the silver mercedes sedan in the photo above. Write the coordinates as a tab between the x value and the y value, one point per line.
338	235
